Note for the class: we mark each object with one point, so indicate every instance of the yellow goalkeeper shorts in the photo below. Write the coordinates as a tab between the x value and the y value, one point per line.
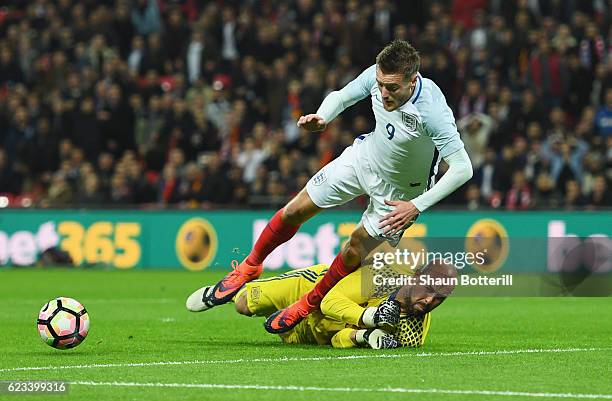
266	296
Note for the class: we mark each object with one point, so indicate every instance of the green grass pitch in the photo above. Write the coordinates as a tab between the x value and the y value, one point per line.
144	345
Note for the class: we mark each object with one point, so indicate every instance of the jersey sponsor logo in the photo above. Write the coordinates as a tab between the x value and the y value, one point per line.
410	121
320	178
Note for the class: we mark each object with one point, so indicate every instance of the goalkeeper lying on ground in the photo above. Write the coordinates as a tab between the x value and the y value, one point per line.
354	313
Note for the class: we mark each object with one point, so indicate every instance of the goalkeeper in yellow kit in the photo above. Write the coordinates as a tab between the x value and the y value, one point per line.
354	313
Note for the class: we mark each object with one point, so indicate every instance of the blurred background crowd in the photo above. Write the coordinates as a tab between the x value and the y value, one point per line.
193	103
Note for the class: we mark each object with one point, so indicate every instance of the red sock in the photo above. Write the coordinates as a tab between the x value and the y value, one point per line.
277	232
336	272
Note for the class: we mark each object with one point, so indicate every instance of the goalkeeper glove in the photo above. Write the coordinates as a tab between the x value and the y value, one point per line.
376	339
385	315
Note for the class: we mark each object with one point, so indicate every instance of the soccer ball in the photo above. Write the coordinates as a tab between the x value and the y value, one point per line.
63	323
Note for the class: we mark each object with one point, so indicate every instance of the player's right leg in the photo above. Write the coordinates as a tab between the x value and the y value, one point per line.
360	243
281	228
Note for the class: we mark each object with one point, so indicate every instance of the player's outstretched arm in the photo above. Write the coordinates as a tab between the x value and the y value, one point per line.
312	122
337	101
459	172
405	213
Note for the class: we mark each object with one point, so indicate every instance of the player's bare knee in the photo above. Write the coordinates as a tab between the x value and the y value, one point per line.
242	305
352	251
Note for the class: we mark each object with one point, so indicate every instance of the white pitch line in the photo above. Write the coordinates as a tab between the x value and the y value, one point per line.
347	389
302	359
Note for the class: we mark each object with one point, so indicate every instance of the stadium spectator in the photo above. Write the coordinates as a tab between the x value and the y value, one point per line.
86	128
474	198
10	180
573	198
476	129
145	17
519	196
473	101
600	196
90	194
547	74
545	195
485	175
603	118
60	193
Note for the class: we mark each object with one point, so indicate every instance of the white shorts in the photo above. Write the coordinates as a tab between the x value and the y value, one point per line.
344	179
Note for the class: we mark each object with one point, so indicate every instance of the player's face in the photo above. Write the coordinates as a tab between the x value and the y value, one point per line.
419	299
394	88
424	300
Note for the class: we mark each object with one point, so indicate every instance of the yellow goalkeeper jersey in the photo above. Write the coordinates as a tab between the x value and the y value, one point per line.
342	307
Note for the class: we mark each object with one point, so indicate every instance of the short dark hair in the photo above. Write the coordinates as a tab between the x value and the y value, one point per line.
399	57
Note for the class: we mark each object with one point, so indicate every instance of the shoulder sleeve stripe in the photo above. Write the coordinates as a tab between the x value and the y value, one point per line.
432	169
418	91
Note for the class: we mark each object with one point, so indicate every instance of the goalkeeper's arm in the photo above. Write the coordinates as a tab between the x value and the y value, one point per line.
372	338
343	303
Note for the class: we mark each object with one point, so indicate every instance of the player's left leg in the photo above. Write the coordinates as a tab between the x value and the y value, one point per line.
358	246
282	227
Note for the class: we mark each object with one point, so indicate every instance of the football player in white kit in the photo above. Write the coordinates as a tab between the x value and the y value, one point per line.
395	165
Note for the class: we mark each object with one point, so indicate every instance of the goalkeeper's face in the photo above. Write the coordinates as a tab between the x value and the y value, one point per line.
433	285
419	299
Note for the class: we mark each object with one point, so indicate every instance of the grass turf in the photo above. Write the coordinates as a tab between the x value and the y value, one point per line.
139	317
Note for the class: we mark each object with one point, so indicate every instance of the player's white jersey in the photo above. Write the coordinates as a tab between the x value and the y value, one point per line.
408	143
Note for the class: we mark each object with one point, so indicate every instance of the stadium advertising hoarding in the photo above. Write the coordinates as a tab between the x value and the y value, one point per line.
199	240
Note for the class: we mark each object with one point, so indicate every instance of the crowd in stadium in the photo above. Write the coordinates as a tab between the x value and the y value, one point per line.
194	103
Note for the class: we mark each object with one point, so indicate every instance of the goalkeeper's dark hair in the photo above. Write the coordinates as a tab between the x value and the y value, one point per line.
399	57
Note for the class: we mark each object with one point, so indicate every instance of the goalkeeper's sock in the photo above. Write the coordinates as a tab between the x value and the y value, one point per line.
275	233
336	272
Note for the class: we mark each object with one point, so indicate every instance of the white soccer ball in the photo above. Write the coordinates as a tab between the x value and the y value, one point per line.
63	323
